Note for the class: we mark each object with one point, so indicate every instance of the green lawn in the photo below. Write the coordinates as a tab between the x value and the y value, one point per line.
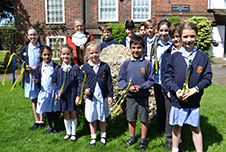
16	118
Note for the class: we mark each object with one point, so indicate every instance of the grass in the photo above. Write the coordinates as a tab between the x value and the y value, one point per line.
16	118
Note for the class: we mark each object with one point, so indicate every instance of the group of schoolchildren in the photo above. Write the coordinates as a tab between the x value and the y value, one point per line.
163	56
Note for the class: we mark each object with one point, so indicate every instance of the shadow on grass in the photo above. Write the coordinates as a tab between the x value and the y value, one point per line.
210	135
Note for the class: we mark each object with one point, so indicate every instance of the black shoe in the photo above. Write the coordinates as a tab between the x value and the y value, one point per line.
73	138
181	147
35	126
55	131
103	141
48	131
66	137
142	146
41	125
168	146
129	143
92	142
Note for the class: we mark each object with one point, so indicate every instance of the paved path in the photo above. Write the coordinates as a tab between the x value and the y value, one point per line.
219	72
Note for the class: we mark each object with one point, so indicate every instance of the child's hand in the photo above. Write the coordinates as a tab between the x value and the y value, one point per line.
188	94
168	94
147	58
178	94
77	101
34	81
87	91
132	89
137	88
109	100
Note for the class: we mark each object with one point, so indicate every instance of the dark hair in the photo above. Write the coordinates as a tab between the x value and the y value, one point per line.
107	28
71	49
163	22
141	24
188	26
149	23
129	24
27	41
137	40
175	27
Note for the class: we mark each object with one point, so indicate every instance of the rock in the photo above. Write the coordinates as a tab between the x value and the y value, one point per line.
115	55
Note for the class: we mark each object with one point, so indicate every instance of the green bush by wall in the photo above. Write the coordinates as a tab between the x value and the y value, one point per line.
4	58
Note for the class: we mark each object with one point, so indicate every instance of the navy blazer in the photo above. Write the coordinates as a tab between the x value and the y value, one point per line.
124	40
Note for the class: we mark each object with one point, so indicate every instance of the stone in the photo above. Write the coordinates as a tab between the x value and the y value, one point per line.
115	55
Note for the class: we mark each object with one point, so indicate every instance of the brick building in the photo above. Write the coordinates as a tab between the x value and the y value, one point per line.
56	17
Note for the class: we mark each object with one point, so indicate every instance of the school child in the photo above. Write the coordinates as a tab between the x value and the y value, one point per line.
177	44
185	107
99	94
163	44
30	53
46	97
130	28
67	101
142	30
108	40
150	39
141	73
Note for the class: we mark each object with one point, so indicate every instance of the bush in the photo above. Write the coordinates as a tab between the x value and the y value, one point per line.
203	41
173	19
4	58
118	31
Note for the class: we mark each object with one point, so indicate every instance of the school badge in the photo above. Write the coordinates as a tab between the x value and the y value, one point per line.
103	75
142	70
44	70
75	73
199	69
24	54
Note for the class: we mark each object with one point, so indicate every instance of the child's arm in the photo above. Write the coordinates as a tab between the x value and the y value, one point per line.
109	100
122	76
109	82
54	81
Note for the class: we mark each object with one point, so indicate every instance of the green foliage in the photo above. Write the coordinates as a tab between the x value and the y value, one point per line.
203	41
4	58
118	31
173	19
56	61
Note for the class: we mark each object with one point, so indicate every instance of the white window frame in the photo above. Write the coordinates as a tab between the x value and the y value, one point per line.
107	20
53	47
46	12
140	20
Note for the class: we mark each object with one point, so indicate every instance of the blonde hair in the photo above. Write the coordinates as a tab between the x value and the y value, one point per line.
91	44
188	26
71	50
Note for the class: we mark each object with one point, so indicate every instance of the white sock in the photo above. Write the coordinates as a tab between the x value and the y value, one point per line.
175	149
103	134
67	124
93	136
73	126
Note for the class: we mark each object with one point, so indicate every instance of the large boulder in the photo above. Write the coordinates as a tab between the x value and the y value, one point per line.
115	55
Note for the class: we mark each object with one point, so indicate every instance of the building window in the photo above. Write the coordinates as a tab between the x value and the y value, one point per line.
108	10
51	41
54	11
141	10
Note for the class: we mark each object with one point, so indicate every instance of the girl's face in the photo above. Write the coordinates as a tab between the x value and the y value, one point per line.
142	31
33	36
66	55
46	55
150	31
176	39
130	31
188	38
94	55
164	32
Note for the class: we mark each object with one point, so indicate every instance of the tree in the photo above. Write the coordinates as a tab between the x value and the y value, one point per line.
6	9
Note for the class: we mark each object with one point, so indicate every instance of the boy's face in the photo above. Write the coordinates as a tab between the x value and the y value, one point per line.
176	40
142	31
94	55
107	34
130	31
150	31
136	50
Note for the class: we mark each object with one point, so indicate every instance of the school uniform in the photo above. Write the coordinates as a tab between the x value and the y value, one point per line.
46	97
31	56
141	73
148	44
71	89
126	41
108	42
200	76
100	83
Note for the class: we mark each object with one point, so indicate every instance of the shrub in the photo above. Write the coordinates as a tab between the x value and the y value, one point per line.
203	41
173	19
4	58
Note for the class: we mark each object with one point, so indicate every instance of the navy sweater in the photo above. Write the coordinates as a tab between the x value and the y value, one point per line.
106	43
103	77
200	76
141	73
